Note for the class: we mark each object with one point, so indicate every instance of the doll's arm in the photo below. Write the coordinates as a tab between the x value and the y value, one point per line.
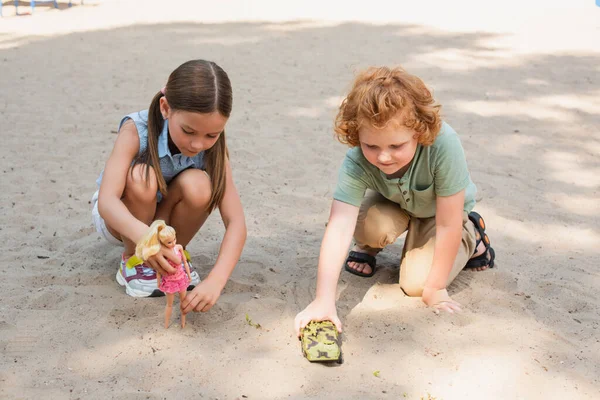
185	263
158	278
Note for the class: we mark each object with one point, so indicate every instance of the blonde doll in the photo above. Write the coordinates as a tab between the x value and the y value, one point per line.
160	233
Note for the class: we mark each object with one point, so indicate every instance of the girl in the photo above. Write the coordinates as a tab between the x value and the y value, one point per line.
171	163
160	233
415	167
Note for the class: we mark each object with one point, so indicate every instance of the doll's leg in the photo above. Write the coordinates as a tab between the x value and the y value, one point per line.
169	308
182	295
139	196
380	222
184	207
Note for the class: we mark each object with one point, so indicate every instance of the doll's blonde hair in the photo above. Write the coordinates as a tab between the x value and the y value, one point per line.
159	232
378	95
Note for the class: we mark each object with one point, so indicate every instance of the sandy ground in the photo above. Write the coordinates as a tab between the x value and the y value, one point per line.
519	82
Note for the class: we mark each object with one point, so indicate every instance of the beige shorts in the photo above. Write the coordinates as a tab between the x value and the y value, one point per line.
381	222
100	225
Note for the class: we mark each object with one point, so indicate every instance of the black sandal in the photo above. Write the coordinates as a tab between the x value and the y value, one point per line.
486	258
355	256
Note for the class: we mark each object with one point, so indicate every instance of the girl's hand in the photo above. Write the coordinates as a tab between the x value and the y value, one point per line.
439	299
159	262
203	297
317	311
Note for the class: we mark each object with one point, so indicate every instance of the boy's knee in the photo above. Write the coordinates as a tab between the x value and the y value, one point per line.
378	229
412	289
196	188
374	232
374	239
141	184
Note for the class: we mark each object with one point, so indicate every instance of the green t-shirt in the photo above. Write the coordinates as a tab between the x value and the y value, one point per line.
436	170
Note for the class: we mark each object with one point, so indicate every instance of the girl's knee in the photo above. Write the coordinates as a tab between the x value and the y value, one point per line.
141	184
195	187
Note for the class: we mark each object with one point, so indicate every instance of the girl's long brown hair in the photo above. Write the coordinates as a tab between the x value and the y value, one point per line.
195	86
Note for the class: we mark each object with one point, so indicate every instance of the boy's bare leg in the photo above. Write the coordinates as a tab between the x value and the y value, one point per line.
480	251
363	267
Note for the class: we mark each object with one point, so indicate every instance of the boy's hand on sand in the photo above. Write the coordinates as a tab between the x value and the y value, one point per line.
160	261
439	299
317	311
203	297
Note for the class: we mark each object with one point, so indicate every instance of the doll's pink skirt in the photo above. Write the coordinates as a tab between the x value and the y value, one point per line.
174	283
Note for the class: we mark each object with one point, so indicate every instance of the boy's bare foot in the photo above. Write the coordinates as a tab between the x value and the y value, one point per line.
484	253
362	267
479	251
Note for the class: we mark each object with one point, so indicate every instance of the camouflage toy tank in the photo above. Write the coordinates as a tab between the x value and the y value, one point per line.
321	342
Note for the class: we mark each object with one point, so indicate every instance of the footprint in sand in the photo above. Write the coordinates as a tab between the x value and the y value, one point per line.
137	311
48	298
20	345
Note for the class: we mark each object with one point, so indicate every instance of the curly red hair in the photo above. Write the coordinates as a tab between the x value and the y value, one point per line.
380	94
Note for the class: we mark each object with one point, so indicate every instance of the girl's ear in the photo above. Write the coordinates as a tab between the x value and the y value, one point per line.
165	110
